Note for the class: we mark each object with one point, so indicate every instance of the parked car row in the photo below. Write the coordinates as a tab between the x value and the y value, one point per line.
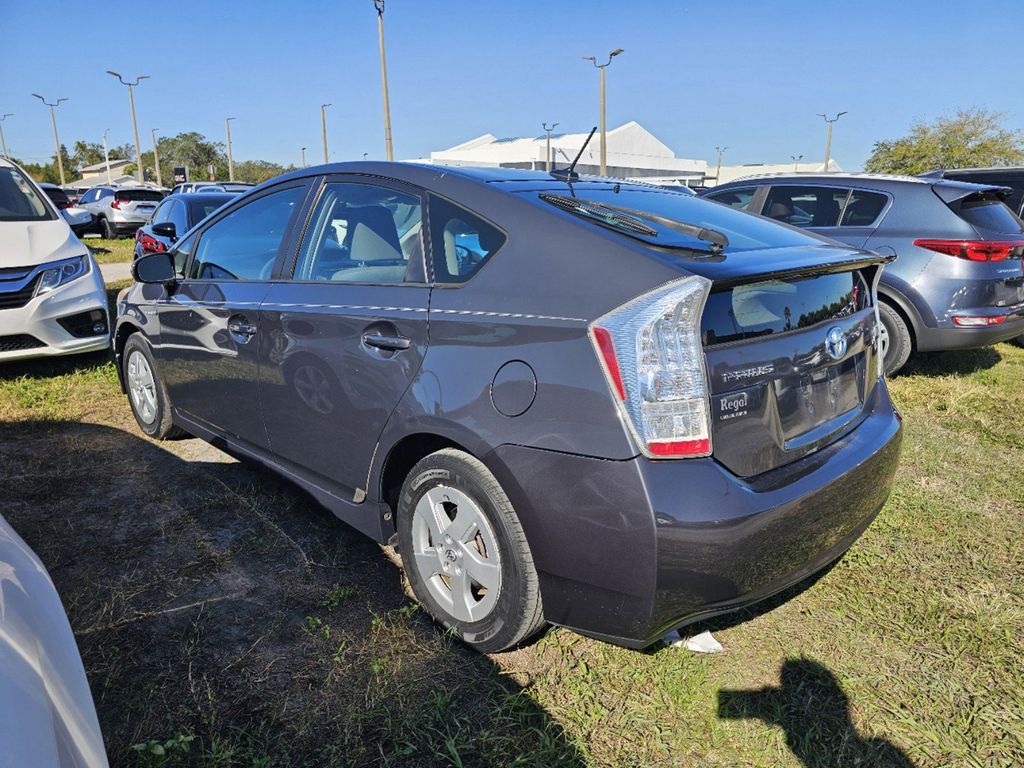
956	281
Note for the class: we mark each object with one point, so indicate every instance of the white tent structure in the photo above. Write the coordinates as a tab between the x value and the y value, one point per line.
733	172
633	153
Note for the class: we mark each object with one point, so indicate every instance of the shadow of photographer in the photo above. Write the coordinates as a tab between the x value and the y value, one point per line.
814	711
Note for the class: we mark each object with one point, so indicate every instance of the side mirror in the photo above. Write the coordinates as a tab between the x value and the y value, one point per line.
165	229
154	268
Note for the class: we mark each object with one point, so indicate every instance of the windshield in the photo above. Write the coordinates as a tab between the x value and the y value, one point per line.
18	199
745	232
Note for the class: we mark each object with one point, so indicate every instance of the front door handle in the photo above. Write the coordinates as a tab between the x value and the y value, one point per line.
390	343
241	329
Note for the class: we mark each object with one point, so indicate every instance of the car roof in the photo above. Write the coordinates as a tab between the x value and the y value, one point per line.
871	180
201	195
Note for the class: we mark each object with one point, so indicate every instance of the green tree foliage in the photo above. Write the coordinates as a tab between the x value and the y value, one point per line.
255	171
91	152
970	138
49	172
191	149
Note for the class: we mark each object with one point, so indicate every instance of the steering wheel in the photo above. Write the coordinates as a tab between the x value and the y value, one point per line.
466	256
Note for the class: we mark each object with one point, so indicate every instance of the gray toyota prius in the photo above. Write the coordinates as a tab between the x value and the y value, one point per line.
565	400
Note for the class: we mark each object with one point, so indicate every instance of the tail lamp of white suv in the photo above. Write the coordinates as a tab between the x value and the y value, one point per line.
651	352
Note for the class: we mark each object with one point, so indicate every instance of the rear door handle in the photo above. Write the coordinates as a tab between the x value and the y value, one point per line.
241	328
391	343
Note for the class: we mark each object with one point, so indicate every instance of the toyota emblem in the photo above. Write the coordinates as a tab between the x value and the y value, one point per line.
835	342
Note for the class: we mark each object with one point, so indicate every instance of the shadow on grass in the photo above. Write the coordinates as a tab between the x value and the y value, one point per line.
958	362
212	601
814	711
50	367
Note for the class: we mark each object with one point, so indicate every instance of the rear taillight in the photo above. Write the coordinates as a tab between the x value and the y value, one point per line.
978	321
116	203
651	352
148	243
974	250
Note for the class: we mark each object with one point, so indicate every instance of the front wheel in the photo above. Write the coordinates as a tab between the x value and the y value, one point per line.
465	553
107	230
146	392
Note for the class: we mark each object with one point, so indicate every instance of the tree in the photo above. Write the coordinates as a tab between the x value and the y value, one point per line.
191	149
970	138
256	171
49	172
91	153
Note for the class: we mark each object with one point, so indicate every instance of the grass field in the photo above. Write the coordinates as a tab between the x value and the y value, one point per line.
226	619
110	251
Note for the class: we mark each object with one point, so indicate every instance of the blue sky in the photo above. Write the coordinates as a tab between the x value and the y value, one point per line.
748	75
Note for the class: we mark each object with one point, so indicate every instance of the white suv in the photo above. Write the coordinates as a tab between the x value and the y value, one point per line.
52	298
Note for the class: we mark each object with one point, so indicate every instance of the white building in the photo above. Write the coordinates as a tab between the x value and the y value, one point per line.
633	153
733	172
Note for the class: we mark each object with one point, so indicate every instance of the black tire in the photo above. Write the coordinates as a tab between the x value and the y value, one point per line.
1018	340
516	613
107	230
159	424
900	344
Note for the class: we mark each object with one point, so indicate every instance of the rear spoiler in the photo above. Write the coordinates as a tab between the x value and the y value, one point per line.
950	192
828	262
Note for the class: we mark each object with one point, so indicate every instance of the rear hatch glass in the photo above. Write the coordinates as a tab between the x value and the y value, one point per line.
140	196
792	364
987	212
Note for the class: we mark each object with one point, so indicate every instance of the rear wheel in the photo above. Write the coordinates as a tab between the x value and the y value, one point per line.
146	392
107	229
1018	340
465	552
894	340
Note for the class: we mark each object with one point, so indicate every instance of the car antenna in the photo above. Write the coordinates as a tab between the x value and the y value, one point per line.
569	174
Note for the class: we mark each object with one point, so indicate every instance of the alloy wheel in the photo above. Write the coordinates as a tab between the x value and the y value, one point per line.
456	553
142	387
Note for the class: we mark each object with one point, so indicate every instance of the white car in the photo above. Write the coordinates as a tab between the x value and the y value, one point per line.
52	298
47	716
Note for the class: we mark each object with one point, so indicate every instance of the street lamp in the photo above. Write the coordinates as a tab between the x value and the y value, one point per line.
547	151
135	125
323	127
3	143
379	5
303	157
56	139
718	170
231	161
796	161
106	156
156	160
828	141
602	67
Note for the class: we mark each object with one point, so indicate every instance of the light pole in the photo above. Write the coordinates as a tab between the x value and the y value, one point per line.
604	133
796	161
156	160
303	157
828	141
231	161
379	5
3	143
718	170
547	151
106	156
323	127
135	125
56	139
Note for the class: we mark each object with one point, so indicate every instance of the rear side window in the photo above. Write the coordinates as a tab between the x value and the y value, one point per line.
140	195
863	208
777	306
460	241
363	233
244	244
806	206
986	211
735	198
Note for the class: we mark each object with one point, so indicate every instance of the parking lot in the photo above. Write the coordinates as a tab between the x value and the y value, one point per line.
225	618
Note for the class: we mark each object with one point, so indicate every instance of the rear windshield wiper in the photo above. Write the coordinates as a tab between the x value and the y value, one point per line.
631	221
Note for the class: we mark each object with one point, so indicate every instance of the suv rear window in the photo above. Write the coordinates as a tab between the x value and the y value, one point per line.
987	211
776	306
140	195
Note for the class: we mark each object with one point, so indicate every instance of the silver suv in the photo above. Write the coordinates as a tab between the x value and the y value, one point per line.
119	211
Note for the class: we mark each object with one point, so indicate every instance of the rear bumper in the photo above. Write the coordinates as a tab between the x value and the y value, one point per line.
627	550
950	337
